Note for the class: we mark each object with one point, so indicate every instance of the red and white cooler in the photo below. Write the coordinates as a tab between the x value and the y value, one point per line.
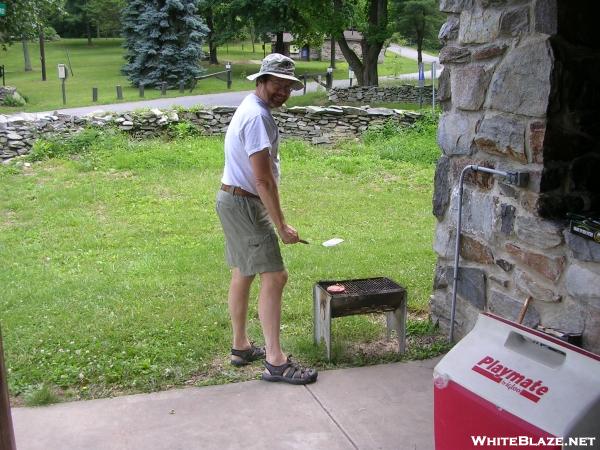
508	386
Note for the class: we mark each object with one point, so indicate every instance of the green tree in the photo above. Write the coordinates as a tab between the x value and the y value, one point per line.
418	21
222	23
370	17
77	21
106	15
86	18
274	17
24	19
163	41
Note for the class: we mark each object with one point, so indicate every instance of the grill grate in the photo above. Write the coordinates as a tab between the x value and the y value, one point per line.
368	286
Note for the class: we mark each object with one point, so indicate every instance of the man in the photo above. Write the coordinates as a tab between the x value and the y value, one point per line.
249	208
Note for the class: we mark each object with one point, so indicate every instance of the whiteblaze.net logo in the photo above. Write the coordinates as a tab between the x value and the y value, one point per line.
494	370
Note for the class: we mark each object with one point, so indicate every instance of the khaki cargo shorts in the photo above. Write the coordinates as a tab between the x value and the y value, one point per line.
251	243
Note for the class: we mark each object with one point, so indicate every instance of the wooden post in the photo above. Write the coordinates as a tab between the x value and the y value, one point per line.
141	87
7	435
94	94
64	92
228	69
163	88
119	92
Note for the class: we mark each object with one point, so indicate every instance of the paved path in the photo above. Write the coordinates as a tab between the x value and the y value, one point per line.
388	406
411	53
220	99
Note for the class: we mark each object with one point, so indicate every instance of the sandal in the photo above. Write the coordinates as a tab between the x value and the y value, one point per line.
290	372
247	356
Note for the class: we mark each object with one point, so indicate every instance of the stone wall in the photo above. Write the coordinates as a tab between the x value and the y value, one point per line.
370	94
7	91
314	124
502	93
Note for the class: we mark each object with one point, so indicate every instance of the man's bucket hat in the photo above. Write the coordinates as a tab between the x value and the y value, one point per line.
280	66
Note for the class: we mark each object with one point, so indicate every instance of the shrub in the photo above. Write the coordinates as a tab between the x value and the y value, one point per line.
39	395
183	129
415	144
79	143
14	100
50	34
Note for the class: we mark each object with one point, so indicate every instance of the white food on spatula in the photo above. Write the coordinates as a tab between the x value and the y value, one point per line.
332	242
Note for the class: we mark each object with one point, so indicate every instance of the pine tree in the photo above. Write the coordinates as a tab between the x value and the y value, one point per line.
163	41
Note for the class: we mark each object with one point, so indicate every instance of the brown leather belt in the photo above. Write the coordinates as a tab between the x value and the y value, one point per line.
234	190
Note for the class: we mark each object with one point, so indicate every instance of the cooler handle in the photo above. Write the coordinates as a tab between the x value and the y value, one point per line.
539	351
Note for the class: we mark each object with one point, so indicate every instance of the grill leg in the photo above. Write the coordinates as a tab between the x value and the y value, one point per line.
400	319
397	320
317	332
389	321
327	329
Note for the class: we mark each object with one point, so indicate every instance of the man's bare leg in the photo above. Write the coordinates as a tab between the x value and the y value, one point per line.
239	294
269	312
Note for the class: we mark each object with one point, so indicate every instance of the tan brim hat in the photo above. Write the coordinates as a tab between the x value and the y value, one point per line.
279	66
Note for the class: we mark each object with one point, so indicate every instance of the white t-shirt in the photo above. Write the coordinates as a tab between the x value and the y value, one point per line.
252	129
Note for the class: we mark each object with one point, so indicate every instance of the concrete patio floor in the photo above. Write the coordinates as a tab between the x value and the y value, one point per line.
386	406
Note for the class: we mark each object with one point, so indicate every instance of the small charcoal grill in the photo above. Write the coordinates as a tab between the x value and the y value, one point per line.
363	296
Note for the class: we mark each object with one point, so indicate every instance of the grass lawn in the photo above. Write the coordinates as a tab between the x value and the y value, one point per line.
112	265
99	66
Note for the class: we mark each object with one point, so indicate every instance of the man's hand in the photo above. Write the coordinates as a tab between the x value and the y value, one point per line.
288	234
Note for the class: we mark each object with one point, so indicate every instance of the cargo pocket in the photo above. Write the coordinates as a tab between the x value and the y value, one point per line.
263	253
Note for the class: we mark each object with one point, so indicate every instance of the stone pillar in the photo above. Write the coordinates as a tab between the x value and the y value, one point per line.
497	88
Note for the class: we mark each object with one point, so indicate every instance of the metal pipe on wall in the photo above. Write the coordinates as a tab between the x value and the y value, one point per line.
474	168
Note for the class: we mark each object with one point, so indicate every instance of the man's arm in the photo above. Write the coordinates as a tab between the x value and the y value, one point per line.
269	194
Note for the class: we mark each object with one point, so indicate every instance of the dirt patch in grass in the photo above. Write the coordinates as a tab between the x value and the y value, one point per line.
8	219
119	174
220	371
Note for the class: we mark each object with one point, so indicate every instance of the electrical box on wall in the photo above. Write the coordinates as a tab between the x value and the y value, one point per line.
585	226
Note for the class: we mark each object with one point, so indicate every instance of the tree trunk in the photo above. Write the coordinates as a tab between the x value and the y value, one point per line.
353	61
252	35
279	45
370	54
366	70
42	54
26	56
88	32
332	63
212	52
212	45
370	75
378	21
